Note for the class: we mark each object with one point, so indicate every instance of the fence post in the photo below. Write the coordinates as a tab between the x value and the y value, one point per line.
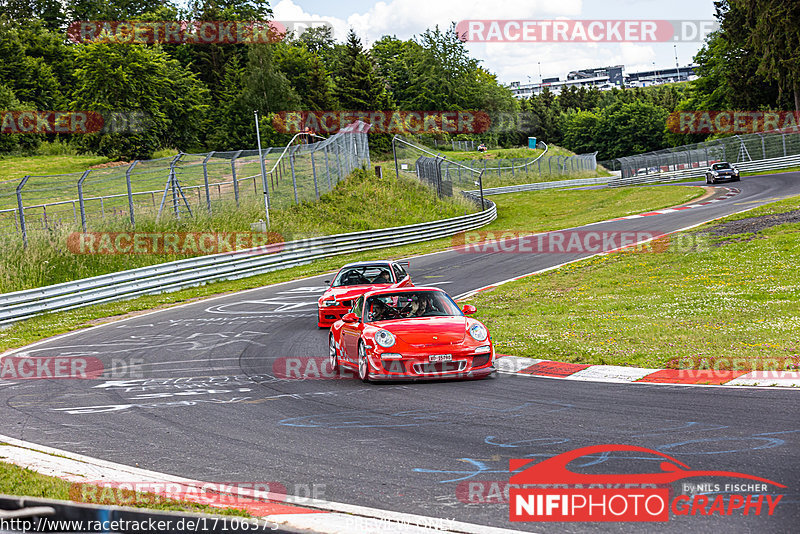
783	139
22	211
338	161
130	190
328	169
294	179
397	169
173	187
235	181
80	199
205	181
763	147
314	174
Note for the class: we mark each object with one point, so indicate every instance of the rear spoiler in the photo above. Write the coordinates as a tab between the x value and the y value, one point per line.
406	263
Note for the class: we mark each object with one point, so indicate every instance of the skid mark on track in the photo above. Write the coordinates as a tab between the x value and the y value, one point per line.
415	418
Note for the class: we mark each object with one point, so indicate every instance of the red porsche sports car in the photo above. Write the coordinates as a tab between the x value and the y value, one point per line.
355	279
410	333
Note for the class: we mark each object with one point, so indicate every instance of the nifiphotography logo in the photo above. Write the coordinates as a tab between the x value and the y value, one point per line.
628	497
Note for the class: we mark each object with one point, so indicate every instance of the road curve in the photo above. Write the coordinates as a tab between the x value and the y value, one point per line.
199	394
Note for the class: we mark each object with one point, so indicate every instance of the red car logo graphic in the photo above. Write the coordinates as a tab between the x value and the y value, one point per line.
554	470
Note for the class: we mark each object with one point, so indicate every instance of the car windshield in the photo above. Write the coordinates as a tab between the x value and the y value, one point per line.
721	166
410	304
363	275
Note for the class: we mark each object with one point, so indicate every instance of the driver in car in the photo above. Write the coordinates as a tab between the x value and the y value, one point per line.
383	278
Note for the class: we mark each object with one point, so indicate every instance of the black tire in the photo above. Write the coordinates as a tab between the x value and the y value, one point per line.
736	179
363	364
333	357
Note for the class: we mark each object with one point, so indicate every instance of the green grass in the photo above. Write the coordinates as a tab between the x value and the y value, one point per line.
694	309
556	209
16	480
532	212
787	169
16	167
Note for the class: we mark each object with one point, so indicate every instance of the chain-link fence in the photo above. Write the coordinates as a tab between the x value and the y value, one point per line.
463	175
734	149
182	185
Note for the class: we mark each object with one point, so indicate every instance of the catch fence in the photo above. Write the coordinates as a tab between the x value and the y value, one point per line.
449	176
685	159
182	185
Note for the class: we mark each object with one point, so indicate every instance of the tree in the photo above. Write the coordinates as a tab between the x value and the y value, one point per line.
35	63
266	88
358	87
320	87
630	128
232	118
772	29
50	12
317	40
580	131
122	78
10	142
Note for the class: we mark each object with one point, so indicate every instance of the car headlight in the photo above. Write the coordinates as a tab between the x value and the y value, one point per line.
478	332
384	338
329	302
715	173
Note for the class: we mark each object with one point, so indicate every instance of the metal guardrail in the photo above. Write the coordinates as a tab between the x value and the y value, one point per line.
560	184
180	274
771	164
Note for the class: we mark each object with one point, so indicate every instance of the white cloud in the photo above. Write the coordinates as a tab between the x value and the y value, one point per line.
405	18
515	61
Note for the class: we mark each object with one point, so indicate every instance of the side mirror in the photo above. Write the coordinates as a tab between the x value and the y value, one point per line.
327	282
469	309
350	317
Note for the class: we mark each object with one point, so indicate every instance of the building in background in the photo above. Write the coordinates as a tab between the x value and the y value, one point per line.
606	78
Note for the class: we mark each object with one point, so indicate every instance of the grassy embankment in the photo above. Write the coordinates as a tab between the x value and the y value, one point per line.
730	301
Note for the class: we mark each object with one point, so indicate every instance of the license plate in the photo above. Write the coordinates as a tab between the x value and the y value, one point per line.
440	358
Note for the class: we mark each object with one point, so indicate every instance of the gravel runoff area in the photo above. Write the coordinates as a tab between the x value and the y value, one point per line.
750	225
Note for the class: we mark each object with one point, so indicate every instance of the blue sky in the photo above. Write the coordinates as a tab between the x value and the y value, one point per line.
512	61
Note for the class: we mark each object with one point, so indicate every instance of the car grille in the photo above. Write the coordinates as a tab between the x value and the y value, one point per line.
439	367
479	361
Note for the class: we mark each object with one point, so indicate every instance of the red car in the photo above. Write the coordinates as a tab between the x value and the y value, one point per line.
352	281
410	333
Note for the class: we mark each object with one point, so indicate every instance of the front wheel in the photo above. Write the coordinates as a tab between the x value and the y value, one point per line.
332	356
363	363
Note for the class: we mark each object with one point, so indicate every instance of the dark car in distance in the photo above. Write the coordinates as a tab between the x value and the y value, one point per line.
722	171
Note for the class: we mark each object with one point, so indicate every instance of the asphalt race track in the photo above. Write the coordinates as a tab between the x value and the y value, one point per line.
200	395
